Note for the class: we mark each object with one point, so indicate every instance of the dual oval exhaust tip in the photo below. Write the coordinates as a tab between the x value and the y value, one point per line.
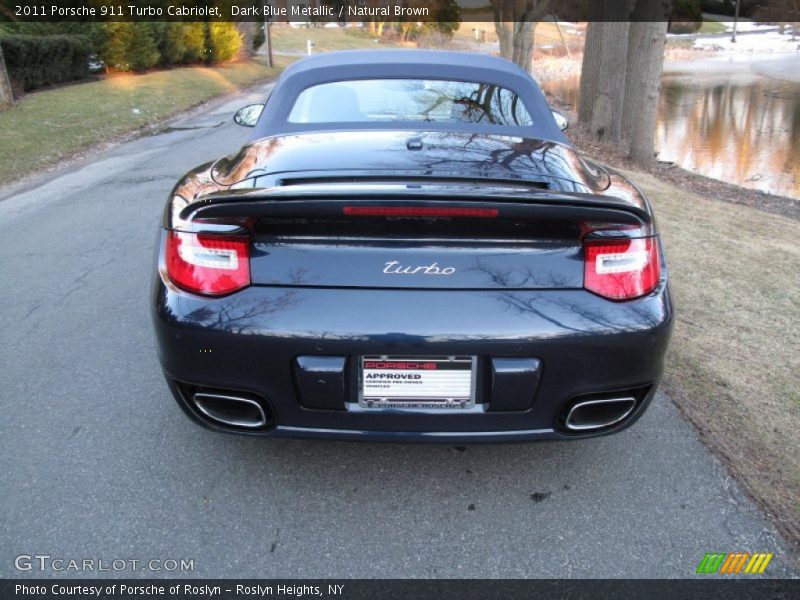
598	413
230	410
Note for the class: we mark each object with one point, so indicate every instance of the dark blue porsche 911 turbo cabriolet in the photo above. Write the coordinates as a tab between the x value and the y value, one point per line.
410	249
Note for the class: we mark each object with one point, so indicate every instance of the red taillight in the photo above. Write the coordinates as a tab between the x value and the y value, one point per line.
419	211
621	269
208	264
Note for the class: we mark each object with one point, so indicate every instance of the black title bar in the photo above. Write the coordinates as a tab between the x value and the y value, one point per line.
711	588
354	11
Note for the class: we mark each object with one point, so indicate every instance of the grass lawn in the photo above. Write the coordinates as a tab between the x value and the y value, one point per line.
734	361
293	39
711	26
50	125
546	33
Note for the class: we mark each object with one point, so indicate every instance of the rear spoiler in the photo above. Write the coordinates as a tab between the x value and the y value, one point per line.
330	200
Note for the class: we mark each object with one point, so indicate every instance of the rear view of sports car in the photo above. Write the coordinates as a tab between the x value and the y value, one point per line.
410	249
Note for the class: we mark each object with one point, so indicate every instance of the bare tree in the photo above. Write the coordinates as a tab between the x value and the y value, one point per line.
515	23
6	95
647	36
621	73
590	67
606	122
602	88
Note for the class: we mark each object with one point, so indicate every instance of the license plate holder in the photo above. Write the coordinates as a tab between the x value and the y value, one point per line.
417	382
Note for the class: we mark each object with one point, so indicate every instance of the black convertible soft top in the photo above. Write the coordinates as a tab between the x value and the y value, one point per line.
406	64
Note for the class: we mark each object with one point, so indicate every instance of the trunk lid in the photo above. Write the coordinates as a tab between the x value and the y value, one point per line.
399	209
405	155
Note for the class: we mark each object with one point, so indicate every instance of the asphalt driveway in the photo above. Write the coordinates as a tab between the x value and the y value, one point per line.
98	462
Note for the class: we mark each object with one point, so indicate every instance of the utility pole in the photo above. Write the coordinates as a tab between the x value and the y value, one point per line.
6	95
735	22
268	38
268	33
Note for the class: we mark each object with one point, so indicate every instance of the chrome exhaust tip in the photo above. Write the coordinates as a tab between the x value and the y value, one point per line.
599	413
230	410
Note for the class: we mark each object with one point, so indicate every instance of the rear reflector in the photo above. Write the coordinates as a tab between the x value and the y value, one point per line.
207	264
621	269
421	211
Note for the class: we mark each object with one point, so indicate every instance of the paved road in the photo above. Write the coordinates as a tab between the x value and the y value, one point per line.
97	461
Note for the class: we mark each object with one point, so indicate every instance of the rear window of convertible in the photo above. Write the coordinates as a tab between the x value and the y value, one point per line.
387	100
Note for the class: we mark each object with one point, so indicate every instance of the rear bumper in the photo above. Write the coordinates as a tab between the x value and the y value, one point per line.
249	341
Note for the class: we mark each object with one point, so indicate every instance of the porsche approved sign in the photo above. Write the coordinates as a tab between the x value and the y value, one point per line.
417	382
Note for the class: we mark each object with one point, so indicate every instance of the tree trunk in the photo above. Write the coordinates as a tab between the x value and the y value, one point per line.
590	66
643	83
505	35
515	22
606	123
590	70
643	80
6	95
522	54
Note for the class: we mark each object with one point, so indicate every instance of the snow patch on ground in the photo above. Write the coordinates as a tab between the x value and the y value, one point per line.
745	26
766	43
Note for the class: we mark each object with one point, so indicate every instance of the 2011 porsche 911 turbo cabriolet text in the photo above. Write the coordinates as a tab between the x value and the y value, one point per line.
410	249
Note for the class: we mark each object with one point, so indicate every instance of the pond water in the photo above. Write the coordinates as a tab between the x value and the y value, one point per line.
731	123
